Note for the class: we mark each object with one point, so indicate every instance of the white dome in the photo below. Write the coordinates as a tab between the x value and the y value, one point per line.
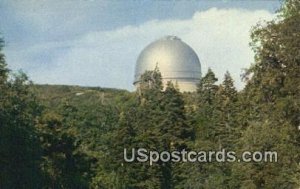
176	61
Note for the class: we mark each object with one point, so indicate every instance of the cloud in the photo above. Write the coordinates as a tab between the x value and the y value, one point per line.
220	37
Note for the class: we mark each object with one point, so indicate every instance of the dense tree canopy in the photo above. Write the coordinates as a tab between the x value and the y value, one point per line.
74	137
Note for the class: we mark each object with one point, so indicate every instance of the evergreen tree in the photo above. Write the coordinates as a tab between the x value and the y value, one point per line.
158	122
176	134
65	165
207	91
206	174
226	113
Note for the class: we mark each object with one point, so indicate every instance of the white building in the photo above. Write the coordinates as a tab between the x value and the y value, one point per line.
176	61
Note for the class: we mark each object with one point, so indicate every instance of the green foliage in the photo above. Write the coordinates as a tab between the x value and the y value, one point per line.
74	137
64	164
265	137
290	8
20	150
272	97
156	121
3	67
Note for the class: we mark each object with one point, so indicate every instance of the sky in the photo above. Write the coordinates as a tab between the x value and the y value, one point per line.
97	42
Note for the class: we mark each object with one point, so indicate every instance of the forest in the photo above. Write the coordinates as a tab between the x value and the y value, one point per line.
68	137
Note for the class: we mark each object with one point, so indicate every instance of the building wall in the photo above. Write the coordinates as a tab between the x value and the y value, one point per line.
184	85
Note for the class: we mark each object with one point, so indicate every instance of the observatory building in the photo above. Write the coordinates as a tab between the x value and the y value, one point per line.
176	61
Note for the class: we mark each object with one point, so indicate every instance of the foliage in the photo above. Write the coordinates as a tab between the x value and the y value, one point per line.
20	149
74	137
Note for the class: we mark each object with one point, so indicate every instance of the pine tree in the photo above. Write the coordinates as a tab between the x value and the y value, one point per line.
226	113
206	175
207	90
158	122
65	165
176	134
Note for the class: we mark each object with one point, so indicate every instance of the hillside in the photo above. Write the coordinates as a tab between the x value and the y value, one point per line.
53	95
70	137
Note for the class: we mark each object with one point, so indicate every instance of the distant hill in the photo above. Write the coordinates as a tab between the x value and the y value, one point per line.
53	95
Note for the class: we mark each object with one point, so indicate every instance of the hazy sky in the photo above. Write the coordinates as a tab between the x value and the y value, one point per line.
96	42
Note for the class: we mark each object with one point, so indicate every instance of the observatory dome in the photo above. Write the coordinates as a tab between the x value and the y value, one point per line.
176	61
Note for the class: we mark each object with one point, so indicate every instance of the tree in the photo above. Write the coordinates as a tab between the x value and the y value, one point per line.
3	67
156	122
20	150
272	97
226	113
267	137
207	91
65	165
